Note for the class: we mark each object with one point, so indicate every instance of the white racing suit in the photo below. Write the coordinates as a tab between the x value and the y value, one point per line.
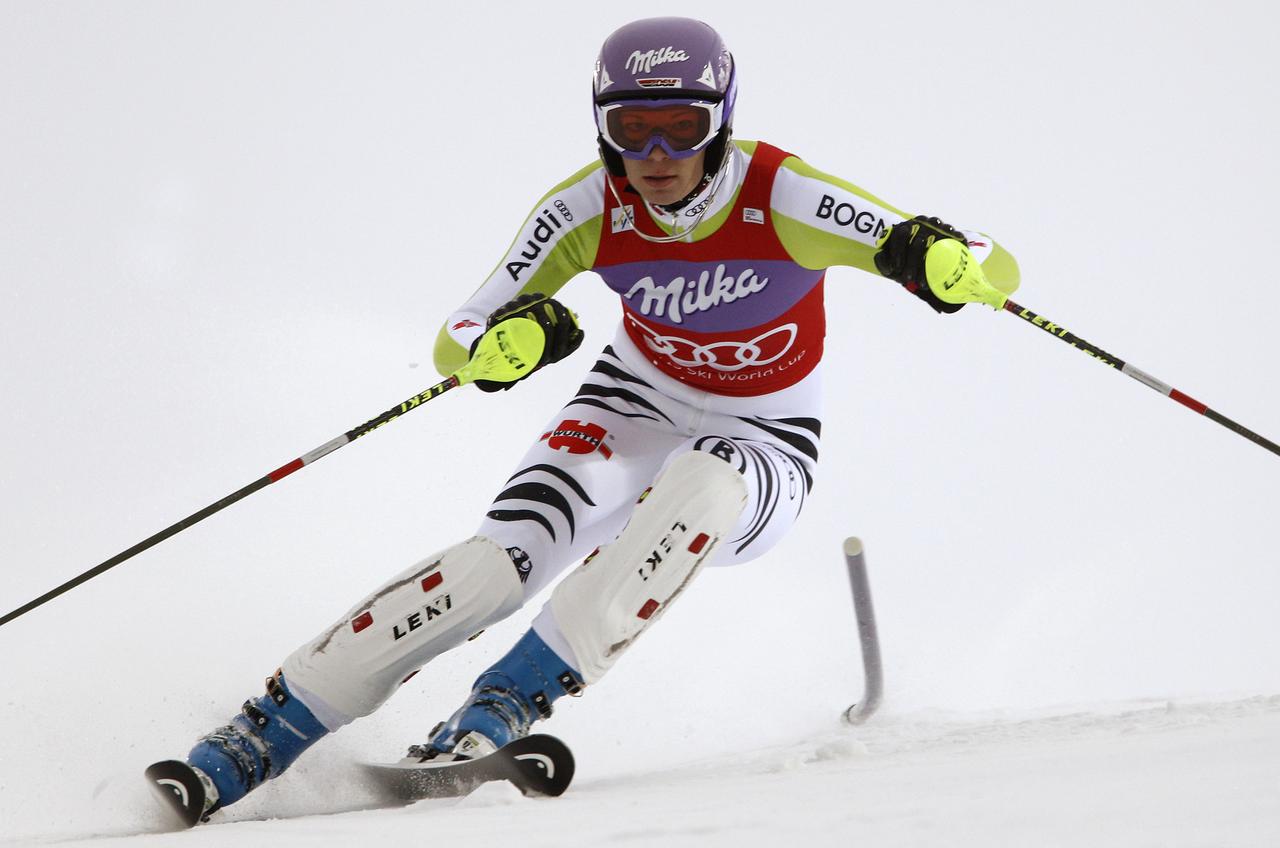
575	487
718	352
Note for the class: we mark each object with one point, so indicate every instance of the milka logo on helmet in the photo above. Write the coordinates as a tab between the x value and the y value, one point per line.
639	62
681	296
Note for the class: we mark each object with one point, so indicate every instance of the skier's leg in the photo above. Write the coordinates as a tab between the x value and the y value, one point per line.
574	488
603	605
572	491
354	666
590	614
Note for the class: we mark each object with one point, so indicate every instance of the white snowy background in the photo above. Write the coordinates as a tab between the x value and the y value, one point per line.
229	232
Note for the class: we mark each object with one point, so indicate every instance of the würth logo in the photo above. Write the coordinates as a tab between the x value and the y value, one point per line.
577	437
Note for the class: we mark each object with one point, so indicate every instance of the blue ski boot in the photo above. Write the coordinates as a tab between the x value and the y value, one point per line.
269	733
505	701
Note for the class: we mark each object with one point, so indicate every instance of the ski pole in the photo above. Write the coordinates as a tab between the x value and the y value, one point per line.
950	264
501	355
1058	331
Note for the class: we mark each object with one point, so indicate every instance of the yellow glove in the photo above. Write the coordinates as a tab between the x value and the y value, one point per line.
931	259
902	251
954	275
506	353
561	336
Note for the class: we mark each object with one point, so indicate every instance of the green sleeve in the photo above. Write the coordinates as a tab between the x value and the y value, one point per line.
558	240
823	220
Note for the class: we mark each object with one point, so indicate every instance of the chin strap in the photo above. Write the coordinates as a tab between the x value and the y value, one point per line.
677	234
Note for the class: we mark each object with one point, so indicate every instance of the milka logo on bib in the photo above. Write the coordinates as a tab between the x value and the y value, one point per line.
682	296
639	62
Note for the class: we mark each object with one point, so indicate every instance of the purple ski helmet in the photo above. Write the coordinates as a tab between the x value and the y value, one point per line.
657	62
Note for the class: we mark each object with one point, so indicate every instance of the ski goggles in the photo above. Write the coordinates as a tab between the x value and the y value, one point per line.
680	127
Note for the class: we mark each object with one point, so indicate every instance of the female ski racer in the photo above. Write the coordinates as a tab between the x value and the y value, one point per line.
693	440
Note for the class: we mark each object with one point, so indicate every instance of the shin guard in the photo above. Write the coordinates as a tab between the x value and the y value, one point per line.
355	665
609	600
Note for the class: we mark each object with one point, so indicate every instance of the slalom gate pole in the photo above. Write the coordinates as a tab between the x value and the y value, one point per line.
504	355
868	637
1060	332
261	483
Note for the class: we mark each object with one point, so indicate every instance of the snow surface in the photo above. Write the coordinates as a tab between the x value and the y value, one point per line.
1151	774
228	234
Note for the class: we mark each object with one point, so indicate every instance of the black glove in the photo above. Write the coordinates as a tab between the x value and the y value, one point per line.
558	324
901	256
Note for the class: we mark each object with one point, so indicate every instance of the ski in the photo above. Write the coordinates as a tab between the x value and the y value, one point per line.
537	765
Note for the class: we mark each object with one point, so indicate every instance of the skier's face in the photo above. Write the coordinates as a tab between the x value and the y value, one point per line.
663	180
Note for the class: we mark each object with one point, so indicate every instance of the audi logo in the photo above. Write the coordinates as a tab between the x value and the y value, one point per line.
722	355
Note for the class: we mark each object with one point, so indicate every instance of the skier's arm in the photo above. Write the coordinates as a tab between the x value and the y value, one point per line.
823	221
558	239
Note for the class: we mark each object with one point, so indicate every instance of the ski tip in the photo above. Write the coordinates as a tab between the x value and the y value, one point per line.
179	790
545	764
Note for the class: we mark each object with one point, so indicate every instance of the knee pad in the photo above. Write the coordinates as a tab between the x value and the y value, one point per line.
609	600
354	666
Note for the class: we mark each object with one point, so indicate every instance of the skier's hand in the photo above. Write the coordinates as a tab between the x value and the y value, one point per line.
560	326
901	257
